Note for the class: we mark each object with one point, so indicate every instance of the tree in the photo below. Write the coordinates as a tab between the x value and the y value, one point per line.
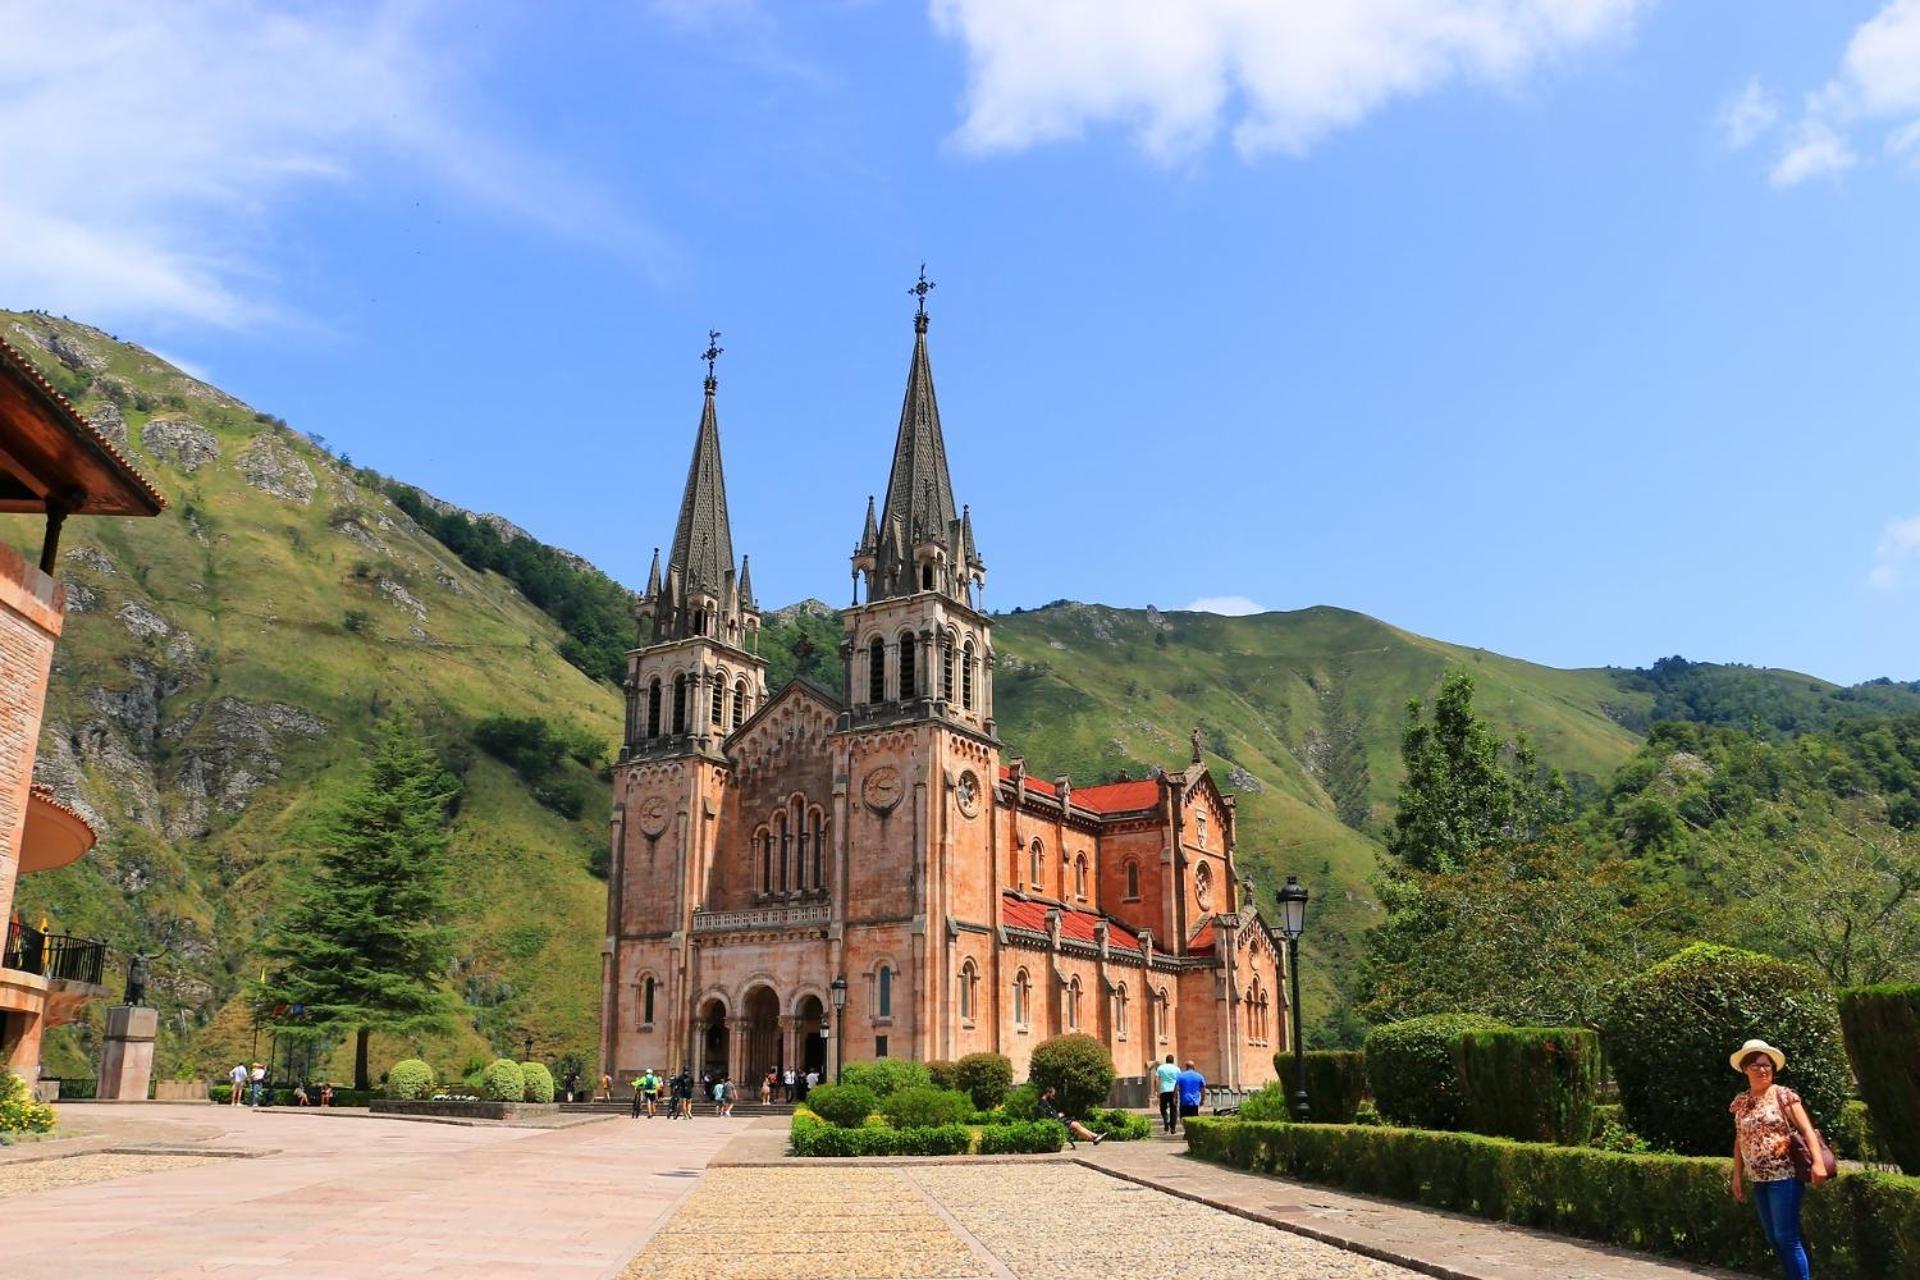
1844	897
362	945
1465	790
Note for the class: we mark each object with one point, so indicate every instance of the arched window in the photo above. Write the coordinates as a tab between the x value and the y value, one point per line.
1160	1012
907	686
1080	877
739	703
719	698
680	704
926	576
797	823
646	1001
966	675
1022	993
1073	1004
1133	879
1203	885
877	670
786	847
946	667
819	825
1036	864
1120	1012
653	708
763	839
699	622
883	1000
968	977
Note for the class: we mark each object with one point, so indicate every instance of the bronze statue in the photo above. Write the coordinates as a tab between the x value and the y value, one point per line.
138	976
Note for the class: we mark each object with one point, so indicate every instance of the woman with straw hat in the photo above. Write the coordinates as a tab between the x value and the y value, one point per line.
1766	1117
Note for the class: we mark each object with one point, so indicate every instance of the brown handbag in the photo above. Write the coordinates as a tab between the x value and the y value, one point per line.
1797	1147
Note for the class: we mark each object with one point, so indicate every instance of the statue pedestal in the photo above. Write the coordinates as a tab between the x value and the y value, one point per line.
126	1061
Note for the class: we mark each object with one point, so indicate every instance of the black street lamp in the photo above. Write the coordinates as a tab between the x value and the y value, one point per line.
839	988
529	1054
1293	921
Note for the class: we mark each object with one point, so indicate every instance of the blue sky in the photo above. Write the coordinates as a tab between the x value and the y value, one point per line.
1584	330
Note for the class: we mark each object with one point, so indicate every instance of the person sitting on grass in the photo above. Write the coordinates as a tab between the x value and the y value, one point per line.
1051	1110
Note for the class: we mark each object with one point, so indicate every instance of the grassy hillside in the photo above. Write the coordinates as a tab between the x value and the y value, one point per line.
221	667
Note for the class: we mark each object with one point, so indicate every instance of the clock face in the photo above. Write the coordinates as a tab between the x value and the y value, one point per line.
967	791
882	789
653	815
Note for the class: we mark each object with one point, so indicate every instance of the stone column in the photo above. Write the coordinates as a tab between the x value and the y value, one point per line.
787	1057
126	1059
739	1028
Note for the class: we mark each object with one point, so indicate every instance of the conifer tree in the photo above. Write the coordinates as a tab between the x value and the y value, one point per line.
363	945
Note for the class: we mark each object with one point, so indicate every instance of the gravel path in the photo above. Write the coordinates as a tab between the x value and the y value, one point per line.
1063	1222
45	1175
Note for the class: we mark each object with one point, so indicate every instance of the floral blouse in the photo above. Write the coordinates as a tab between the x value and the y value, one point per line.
1762	1126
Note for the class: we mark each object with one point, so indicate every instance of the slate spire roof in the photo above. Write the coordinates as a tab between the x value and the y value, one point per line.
703	538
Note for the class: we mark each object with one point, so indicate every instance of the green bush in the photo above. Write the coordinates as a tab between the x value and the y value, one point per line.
1883	1039
1411	1070
410	1078
503	1081
1077	1068
986	1077
1116	1125
1533	1084
1268	1102
811	1137
1336	1081
1855	1137
887	1075
944	1074
1671	1027
20	1111
1861	1226
845	1106
539	1082
1023	1137
921	1108
1022	1103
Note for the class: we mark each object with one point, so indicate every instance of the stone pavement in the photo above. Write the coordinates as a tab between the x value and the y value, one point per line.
343	1198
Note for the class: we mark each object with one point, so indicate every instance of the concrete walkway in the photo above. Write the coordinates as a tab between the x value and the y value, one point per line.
1447	1245
346	1199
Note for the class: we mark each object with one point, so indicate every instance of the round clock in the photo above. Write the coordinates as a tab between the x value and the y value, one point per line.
967	791
653	815
882	789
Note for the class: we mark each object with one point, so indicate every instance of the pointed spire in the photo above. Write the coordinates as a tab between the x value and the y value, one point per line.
746	585
703	538
870	536
653	576
919	490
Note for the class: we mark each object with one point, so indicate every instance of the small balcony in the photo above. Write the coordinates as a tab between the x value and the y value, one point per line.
54	956
816	915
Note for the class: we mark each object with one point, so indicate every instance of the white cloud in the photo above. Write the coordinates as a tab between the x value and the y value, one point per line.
1898	548
1226	606
147	148
1877	87
1285	72
1747	115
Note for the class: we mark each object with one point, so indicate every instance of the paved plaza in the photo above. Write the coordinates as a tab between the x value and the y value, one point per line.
193	1191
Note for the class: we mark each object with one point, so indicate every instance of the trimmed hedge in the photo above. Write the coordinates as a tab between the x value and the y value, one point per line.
1671	1027
1412	1072
1116	1125
503	1081
1861	1226
811	1136
1855	1138
924	1108
1079	1070
844	1106
410	1078
539	1082
1336	1081
1533	1084
986	1077
1883	1040
887	1075
1023	1137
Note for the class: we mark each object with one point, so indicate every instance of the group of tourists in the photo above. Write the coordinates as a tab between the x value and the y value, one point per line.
250	1083
1180	1092
788	1086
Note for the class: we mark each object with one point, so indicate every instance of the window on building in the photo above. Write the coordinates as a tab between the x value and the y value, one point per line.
879	1046
1160	1011
1203	885
1120	1012
680	704
653	709
719	714
907	687
1080	877
1133	880
1036	864
739	703
946	668
1200	828
1022	993
883	999
877	670
819	850
786	849
966	675
646	1001
968	977
699	622
926	576
1073	1004
764	839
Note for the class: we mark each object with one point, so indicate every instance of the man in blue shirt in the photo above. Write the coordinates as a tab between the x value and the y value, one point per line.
1192	1086
1166	1082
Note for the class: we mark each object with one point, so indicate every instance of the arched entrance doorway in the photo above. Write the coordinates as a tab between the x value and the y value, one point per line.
762	1012
810	1016
711	1042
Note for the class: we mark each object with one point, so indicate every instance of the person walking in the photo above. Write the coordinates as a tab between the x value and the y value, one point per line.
237	1079
718	1092
644	1089
809	1084
1075	1130
256	1085
766	1087
606	1088
786	1084
1767	1117
1166	1081
683	1095
1192	1087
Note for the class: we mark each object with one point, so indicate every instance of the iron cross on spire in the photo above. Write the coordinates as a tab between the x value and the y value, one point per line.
922	289
714	350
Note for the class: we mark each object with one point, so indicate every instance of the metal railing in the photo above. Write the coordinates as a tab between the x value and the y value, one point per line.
54	955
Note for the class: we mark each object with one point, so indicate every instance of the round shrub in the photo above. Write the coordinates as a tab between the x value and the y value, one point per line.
410	1078
1671	1027
845	1106
20	1111
1021	1104
919	1108
887	1075
1411	1071
944	1074
503	1081
539	1081
986	1077
1077	1068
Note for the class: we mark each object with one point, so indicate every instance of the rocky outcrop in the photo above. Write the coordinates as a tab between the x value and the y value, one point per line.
226	753
401	597
270	466
181	441
107	420
93	558
75	354
81	598
143	622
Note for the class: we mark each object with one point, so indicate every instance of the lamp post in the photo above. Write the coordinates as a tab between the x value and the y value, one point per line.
529	1054
1293	921
839	988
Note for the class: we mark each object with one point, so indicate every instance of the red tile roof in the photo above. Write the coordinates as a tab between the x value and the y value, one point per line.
1034	783
1075	924
1118	797
1202	940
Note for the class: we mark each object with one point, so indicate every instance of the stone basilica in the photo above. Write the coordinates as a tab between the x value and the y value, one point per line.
766	843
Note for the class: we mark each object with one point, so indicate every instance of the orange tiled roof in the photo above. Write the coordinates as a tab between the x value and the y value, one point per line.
1107	797
1202	941
1075	924
79	423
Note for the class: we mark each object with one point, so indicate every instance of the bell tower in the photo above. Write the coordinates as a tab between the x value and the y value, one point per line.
918	646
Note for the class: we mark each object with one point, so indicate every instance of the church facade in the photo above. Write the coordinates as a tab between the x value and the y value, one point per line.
765	843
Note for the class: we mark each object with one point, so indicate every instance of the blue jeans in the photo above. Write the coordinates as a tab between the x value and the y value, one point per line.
1779	1206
